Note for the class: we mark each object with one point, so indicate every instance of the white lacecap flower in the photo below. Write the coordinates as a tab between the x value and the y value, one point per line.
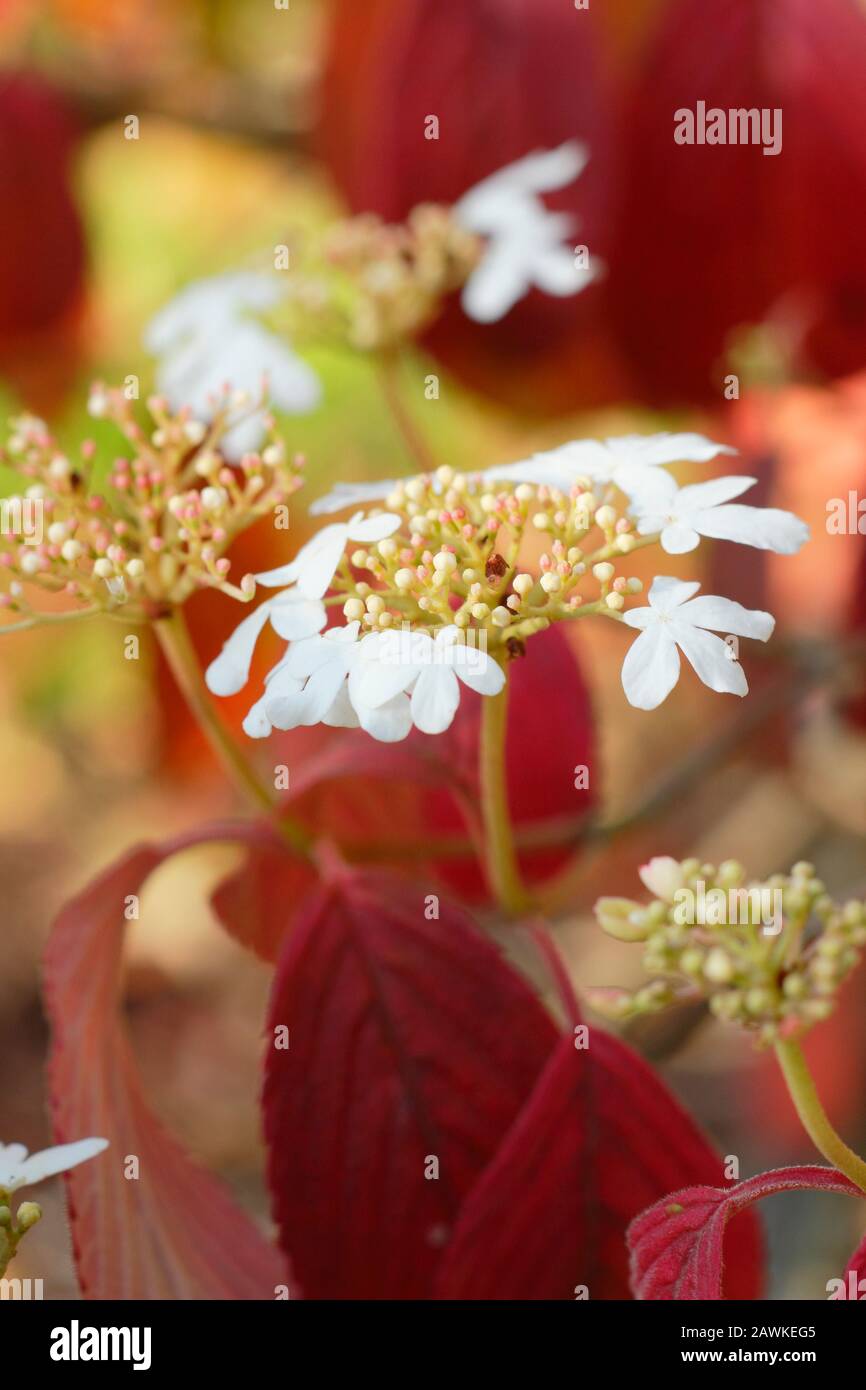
206	338
526	245
18	1169
683	514
632	462
429	668
297	612
675	622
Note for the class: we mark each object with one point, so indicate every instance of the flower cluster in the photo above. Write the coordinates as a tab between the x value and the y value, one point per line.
161	530
442	574
769	956
396	275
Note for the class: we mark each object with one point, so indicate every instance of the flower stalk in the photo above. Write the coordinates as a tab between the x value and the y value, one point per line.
500	857
813	1117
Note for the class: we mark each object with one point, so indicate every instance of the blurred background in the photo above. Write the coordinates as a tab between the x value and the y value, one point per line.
734	302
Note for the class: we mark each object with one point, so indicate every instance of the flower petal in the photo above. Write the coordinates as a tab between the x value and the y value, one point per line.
373	528
712	659
60	1159
477	670
766	528
350	494
654	449
677	538
667	593
496	284
294	617
698	496
724	615
390	723
435	699
229	672
651	668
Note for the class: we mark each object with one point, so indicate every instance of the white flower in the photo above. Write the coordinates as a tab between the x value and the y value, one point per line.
525	241
632	462
350	495
292	616
19	1170
675	620
684	514
430	668
314	565
663	876
205	339
327	673
295	613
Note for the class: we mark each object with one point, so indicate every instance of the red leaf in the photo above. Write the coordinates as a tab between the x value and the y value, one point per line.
411	794
256	903
599	1137
716	236
503	80
408	1039
175	1232
677	1244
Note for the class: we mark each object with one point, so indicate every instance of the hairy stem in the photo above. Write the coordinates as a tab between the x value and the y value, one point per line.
500	858
813	1116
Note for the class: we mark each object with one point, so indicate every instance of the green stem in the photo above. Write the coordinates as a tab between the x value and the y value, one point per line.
501	860
814	1119
412	437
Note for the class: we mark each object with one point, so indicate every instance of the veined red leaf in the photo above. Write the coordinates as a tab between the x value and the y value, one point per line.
677	1245
174	1232
599	1134
412	1047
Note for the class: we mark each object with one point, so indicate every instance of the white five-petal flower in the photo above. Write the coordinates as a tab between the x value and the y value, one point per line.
315	564
632	462
526	245
205	339
429	667
327	671
18	1169
297	612
677	622
683	514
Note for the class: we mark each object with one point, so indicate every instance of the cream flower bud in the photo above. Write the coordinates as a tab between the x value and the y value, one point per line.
445	561
387	548
71	550
353	609
622	919
663	876
404	578
605	517
551	583
103	568
718	967
524	492
604	571
213	499
135	568
480	611
500	617
615	601
522	584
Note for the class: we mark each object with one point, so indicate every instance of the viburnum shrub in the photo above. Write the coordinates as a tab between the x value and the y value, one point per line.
435	1128
417	1091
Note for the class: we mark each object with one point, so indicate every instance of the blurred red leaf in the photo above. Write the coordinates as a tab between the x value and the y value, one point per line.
677	1244
408	795
42	251
503	80
256	903
599	1136
175	1232
409	1039
717	236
